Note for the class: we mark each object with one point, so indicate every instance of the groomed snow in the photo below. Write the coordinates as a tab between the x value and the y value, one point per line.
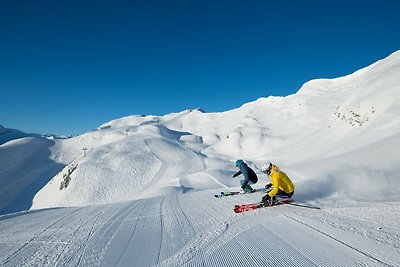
140	188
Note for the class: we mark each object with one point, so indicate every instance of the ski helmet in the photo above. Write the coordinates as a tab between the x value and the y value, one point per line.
266	167
239	162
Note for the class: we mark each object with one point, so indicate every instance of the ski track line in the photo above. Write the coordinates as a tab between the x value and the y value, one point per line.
162	227
15	253
108	230
260	245
80	228
53	236
237	224
306	259
191	228
358	223
263	247
132	240
158	233
240	225
185	229
366	254
12	223
20	214
193	247
157	252
78	247
245	249
271	246
9	228
84	245
196	251
60	250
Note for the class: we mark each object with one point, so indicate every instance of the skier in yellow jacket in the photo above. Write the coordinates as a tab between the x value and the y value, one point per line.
281	184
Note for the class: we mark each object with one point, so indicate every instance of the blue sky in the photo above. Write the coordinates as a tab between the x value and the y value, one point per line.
68	66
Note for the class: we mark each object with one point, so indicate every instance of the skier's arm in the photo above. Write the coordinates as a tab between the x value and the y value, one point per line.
275	186
237	174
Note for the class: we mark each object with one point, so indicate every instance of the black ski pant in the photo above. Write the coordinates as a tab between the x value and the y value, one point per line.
284	194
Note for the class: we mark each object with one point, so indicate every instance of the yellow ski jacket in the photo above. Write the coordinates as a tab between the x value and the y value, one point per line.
280	181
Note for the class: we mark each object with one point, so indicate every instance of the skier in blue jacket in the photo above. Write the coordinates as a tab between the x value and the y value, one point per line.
250	177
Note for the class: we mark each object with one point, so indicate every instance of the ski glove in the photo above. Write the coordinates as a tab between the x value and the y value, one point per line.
268	186
267	200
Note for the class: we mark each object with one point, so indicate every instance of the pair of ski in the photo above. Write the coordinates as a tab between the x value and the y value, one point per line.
253	206
233	193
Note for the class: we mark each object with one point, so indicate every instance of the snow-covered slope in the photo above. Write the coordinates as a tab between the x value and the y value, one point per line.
338	139
25	168
196	229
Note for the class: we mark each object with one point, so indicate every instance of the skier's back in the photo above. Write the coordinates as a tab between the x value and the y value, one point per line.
250	177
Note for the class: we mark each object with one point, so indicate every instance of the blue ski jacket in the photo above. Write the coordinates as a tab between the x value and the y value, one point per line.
248	173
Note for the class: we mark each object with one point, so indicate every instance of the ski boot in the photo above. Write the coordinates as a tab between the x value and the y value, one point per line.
248	189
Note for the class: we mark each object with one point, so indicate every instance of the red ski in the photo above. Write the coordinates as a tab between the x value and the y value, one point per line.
246	207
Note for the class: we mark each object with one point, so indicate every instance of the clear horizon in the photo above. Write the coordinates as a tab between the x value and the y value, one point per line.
67	68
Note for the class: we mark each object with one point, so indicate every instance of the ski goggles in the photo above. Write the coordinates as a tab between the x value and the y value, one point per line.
268	171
